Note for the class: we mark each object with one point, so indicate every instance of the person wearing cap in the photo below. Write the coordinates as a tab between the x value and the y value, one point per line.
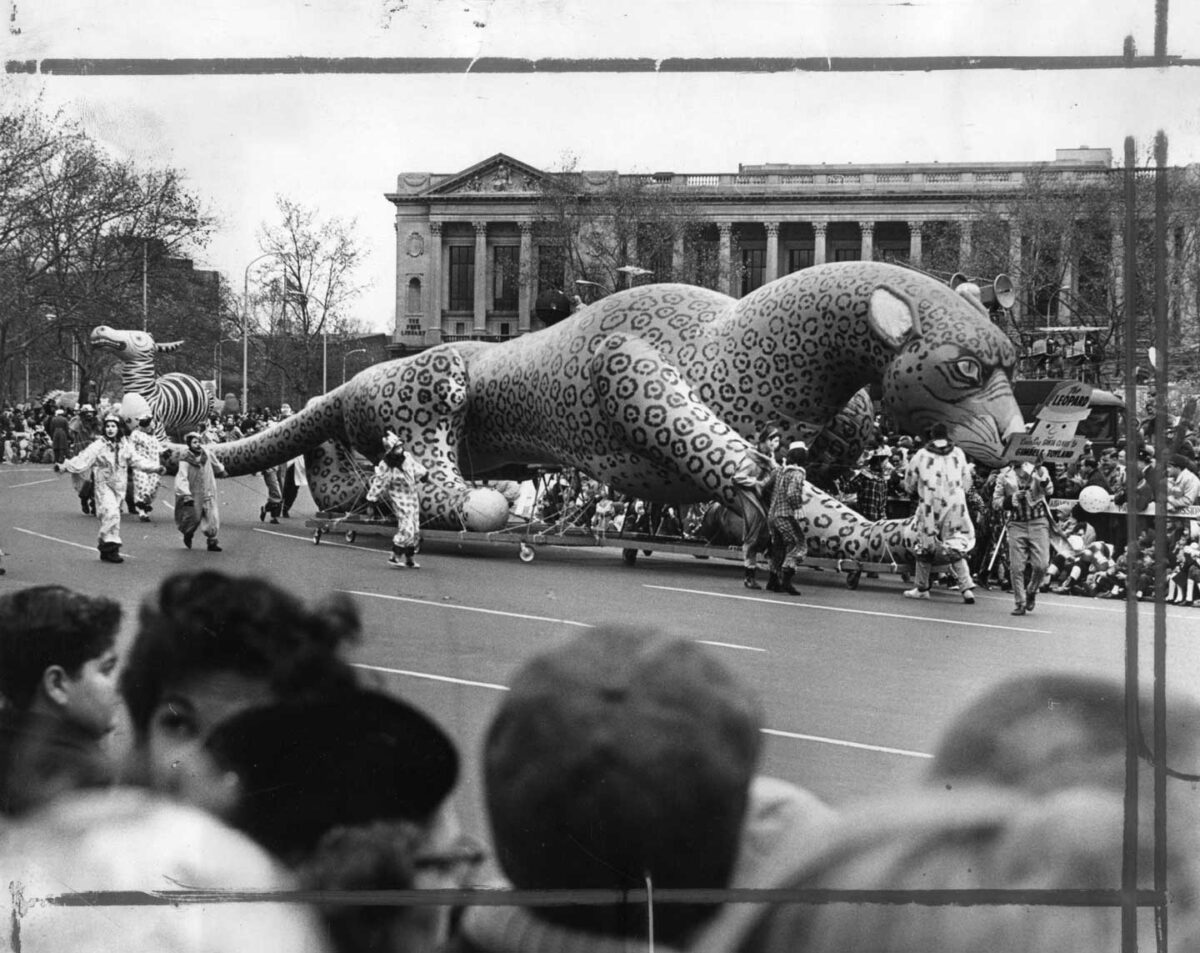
144	486
398	477
870	484
938	476
1023	491
196	506
784	487
108	459
1183	486
59	429
621	760
352	792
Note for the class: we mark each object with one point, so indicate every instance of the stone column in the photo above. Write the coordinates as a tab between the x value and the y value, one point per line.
914	242
481	270
867	248
819	242
677	258
772	271
433	280
724	270
526	273
964	244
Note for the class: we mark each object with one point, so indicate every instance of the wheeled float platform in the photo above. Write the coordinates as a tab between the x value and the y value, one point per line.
528	536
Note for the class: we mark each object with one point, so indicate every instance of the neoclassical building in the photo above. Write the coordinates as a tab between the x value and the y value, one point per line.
472	256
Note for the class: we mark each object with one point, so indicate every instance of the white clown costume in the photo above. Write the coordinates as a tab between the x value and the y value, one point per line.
107	459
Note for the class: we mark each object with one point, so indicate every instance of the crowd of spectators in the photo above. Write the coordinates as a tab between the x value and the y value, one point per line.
27	430
623	786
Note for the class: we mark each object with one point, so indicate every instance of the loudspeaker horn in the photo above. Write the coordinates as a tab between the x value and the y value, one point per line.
1001	292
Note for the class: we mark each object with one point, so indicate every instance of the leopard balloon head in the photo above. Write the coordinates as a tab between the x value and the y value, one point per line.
950	364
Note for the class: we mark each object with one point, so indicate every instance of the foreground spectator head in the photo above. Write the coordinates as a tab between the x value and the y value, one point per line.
934	842
353	794
58	691
101	849
1043	732
620	756
57	657
305	767
209	646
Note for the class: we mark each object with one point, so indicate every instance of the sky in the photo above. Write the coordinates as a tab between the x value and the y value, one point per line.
338	142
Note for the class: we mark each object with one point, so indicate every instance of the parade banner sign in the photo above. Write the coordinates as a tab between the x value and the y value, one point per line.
1052	447
1053	438
1069	402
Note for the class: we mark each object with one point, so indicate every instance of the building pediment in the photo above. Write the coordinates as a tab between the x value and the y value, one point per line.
498	175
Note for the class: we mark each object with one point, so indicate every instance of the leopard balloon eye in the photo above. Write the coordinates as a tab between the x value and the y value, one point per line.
968	370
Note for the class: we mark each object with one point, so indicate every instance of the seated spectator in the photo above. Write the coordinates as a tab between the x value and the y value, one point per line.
129	842
209	646
59	691
624	760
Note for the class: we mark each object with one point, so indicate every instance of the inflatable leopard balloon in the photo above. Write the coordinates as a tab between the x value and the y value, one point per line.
657	391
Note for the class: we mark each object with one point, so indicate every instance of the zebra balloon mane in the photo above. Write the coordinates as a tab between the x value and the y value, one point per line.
179	402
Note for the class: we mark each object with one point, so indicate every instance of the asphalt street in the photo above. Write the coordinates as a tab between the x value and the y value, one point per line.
857	685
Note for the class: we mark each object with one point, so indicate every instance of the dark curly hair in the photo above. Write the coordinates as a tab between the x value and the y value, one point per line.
50	625
208	621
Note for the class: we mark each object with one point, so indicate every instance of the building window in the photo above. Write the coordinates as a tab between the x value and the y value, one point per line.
799	258
414	296
460	327
847	254
754	263
462	278
505	272
505	329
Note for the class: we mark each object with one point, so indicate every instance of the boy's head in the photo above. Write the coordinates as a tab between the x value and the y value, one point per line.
210	646
57	657
619	755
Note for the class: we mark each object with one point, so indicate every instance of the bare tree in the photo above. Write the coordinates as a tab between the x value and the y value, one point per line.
302	299
80	234
592	230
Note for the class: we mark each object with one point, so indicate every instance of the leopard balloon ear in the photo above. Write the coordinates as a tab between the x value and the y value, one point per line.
893	318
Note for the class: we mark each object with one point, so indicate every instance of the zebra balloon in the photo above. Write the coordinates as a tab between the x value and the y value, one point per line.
179	402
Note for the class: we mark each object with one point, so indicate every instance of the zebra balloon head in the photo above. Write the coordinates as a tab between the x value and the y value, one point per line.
130	346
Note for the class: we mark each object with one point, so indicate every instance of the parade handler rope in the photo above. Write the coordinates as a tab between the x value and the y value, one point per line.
657	391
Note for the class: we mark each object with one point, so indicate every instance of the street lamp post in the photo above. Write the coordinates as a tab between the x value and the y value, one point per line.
246	328
357	350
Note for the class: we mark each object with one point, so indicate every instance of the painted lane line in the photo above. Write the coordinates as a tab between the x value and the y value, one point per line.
846	744
731	645
17	486
816	739
811	605
426	675
65	542
308	539
450	605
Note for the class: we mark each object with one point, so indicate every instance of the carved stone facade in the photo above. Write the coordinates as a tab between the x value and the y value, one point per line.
468	255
